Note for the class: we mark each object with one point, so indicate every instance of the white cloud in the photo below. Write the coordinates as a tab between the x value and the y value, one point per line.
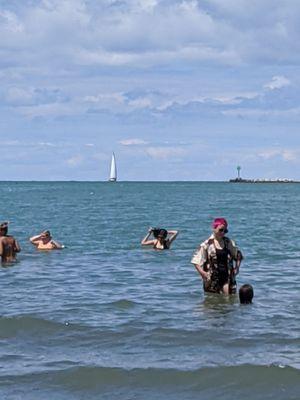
104	98
10	143
46	144
17	95
289	155
165	152
142	102
277	82
145	33
75	161
23	143
133	142
9	21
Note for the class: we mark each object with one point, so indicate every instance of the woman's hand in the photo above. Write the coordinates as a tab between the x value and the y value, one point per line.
205	275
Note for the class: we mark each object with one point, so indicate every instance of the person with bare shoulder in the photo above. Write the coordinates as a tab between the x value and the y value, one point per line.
9	247
218	260
44	241
163	238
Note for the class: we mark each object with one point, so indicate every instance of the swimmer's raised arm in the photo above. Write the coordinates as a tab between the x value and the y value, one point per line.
173	235
145	241
35	239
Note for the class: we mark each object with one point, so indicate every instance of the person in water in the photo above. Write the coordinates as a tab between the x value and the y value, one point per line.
246	294
9	247
44	241
218	260
162	238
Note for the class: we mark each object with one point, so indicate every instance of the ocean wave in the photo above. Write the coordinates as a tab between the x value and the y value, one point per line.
11	326
243	379
122	304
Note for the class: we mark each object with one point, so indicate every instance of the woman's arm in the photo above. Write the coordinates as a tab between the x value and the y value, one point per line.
204	275
199	259
35	239
236	255
173	235
57	245
238	261
17	247
145	241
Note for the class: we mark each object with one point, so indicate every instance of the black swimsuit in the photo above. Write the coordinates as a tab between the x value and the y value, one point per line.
219	271
222	270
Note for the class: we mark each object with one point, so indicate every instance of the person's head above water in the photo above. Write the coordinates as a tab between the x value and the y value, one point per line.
163	233
220	226
246	294
4	228
46	235
159	233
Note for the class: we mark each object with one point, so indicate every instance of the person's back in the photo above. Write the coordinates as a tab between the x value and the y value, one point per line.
9	247
246	294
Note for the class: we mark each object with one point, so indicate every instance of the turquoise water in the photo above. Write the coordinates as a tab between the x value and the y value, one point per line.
107	319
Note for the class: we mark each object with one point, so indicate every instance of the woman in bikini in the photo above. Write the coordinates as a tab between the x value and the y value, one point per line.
162	238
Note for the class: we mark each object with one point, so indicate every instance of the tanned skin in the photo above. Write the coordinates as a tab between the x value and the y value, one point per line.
44	241
9	247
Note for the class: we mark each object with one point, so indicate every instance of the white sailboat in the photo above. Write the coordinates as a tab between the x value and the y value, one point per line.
113	169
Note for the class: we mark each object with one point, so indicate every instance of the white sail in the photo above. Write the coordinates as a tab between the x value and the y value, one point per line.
113	169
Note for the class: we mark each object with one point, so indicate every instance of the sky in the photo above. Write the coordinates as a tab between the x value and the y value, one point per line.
178	89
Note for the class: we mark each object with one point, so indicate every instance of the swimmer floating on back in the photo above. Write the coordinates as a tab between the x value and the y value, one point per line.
162	238
44	241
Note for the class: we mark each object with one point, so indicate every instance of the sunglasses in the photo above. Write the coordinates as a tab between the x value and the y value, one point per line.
223	230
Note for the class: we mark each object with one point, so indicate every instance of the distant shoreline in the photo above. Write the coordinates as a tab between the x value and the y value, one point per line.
240	180
174	181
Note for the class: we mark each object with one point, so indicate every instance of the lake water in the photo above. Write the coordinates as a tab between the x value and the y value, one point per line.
107	319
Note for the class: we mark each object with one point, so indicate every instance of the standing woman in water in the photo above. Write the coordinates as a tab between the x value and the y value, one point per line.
9	246
218	260
162	238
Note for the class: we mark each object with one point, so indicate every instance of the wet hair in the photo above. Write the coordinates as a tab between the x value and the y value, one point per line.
4	227
163	233
155	232
46	233
160	232
4	230
246	294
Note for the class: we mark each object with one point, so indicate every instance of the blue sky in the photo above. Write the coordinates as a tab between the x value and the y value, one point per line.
179	90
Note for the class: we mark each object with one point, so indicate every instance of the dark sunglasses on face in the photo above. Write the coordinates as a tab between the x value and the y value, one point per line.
223	230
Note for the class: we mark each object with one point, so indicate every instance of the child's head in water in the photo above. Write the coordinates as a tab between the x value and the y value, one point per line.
246	294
